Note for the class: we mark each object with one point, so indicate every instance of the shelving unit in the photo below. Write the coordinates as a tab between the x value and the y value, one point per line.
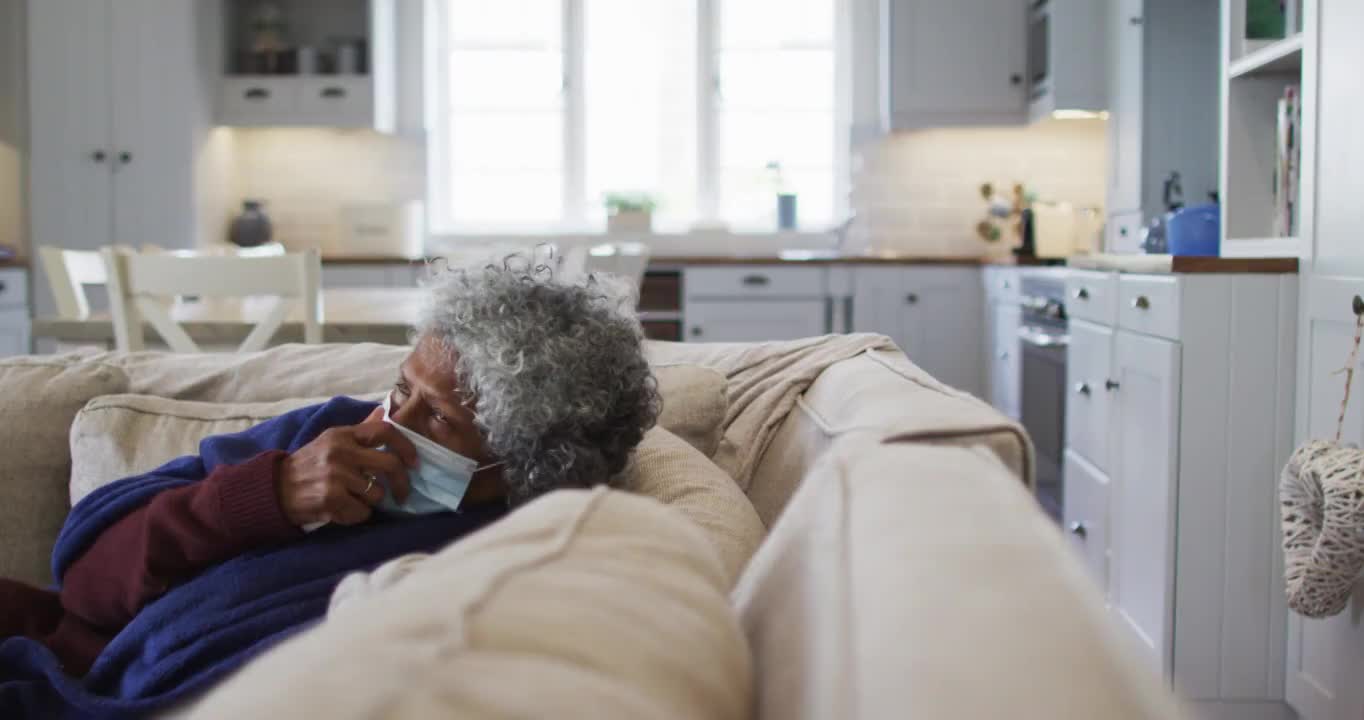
1255	74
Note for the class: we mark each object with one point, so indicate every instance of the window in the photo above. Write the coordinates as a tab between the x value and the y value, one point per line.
541	107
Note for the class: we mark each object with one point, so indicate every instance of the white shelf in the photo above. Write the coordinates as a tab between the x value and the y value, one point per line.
1280	56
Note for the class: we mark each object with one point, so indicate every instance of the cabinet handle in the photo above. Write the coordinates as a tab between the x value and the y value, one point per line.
696	331
1004	355
1357	305
756	280
1082	388
98	156
256	93
1015	79
125	157
912	299
333	92
1110	385
2	287
1141	303
1135	20
1078	529
1006	285
1082	294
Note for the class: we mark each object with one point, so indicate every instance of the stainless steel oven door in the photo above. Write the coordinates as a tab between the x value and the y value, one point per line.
1043	400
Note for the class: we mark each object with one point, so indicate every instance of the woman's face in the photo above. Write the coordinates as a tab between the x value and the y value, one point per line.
427	400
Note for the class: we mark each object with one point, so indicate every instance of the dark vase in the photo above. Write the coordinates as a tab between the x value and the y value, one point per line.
251	227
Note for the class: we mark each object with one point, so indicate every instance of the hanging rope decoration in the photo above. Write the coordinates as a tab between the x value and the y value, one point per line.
1321	498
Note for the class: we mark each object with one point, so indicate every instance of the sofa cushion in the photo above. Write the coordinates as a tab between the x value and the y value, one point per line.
595	603
41	397
669	470
121	435
694	396
930	570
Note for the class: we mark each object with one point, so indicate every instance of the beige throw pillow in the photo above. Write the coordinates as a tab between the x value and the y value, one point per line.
671	471
582	603
41	397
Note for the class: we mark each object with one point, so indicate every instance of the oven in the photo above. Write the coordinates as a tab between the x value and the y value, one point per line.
1042	337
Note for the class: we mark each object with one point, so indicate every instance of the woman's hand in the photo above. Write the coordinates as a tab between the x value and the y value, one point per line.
336	477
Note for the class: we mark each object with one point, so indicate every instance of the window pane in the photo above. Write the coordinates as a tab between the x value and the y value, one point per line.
506	141
776	23
775	104
505	23
640	103
506	199
505	79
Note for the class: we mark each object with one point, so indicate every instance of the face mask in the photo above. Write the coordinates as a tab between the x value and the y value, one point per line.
440	479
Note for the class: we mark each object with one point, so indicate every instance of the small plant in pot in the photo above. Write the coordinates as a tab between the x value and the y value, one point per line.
629	212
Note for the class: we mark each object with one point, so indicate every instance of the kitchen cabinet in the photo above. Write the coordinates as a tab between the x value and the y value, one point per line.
934	314
1326	657
14	322
1085	517
1164	75
118	135
957	63
1146	400
1176	420
753	303
1064	37
1002	357
377	99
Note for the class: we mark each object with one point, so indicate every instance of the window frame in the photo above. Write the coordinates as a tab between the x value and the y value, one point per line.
441	222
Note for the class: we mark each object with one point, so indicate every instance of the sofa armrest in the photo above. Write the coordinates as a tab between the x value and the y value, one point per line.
913	580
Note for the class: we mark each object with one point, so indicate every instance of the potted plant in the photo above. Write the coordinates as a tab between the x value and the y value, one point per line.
629	212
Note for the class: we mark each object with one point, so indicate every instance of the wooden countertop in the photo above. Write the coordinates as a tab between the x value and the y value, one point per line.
814	259
1184	264
14	262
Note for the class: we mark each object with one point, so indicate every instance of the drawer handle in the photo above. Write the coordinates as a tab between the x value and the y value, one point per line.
696	331
1082	388
1082	294
756	280
912	298
1002	356
1078	529
1005	285
333	92
1357	305
1110	385
1141	303
256	93
2	287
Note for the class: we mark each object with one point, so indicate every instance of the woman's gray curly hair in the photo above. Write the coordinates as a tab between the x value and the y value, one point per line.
553	370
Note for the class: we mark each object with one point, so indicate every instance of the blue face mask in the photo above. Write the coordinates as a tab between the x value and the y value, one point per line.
438	482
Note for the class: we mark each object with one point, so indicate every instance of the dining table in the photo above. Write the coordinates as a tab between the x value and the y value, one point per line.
349	315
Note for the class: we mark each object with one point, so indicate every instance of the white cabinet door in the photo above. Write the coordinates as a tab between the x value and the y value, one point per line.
1085	518
14	339
155	89
754	320
1340	159
69	133
1125	62
1326	657
933	314
1005	365
357	276
1089	367
954	63
1142	502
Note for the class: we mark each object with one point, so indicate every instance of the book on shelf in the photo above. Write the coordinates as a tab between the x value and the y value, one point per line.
1287	159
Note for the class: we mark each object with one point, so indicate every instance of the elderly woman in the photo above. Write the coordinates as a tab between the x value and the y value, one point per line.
519	384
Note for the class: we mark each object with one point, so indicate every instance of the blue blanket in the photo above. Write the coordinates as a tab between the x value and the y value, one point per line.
198	632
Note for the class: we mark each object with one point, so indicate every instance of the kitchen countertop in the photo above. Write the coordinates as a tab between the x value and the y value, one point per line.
14	262
1182	264
796	257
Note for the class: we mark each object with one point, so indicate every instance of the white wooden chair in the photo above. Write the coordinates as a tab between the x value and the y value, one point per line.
68	272
140	283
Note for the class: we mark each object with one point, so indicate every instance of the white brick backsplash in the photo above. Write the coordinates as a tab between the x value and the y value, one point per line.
919	191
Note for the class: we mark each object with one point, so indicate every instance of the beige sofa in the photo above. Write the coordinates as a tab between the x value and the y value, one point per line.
905	572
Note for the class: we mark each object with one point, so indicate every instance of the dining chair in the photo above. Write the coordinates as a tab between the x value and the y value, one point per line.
140	283
68	272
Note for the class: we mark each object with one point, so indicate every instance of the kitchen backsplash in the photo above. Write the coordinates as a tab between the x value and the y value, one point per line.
919	192
307	175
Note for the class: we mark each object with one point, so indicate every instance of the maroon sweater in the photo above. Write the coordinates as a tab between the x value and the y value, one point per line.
147	552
